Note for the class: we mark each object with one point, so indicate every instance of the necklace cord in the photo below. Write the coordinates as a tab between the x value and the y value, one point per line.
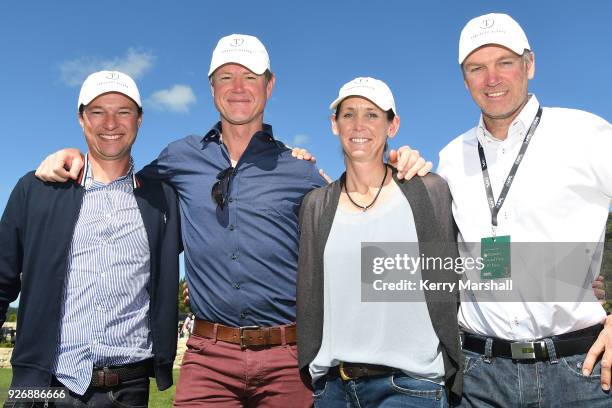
367	207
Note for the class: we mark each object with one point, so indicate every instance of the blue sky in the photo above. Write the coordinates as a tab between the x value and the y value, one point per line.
47	48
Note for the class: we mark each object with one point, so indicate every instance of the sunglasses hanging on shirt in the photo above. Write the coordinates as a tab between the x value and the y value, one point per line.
220	190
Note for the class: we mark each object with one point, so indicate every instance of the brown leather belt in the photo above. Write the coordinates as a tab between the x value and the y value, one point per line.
246	336
112	376
352	371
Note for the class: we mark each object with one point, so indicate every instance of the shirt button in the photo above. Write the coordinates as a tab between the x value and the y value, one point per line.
234	257
231	200
236	286
243	315
103	274
231	227
98	308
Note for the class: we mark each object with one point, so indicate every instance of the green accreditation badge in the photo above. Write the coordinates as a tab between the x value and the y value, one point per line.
495	253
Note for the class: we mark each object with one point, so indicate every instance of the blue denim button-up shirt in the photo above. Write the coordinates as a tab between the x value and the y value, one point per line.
241	262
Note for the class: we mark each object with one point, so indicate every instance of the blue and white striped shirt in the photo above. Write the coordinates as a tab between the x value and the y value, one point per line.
105	314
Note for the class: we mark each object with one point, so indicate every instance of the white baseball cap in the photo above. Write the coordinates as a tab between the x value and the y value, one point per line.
102	82
373	89
493	28
242	49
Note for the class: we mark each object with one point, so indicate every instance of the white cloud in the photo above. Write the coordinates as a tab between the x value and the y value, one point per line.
300	140
178	98
134	63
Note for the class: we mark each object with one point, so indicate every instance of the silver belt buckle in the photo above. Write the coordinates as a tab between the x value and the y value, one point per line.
523	351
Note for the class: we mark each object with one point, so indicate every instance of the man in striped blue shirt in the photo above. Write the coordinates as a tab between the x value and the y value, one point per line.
97	314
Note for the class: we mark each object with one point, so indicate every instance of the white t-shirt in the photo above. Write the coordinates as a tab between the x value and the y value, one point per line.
561	193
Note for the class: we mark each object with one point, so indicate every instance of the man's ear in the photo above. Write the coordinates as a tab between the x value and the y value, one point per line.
270	85
81	120
531	68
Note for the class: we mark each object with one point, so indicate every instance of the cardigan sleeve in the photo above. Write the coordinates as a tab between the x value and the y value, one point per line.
441	199
306	280
11	248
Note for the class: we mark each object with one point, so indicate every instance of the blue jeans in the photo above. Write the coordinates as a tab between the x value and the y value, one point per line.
558	382
397	390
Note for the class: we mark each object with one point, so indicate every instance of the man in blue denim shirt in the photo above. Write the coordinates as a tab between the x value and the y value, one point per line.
240	192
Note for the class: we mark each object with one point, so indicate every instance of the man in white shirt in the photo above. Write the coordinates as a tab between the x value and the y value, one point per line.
527	174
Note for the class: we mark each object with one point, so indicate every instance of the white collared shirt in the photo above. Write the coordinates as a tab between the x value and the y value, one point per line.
561	193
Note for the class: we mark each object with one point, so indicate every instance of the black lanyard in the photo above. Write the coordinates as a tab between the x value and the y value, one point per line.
496	206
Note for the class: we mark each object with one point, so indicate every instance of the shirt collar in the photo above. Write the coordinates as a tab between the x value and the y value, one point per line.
86	179
214	134
518	126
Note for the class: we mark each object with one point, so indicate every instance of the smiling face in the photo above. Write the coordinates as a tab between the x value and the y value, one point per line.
363	129
497	79
110	123
240	95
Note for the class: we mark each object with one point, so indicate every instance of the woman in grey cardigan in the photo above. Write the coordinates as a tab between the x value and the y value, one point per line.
375	353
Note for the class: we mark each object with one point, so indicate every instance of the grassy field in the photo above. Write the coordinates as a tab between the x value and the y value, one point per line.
157	399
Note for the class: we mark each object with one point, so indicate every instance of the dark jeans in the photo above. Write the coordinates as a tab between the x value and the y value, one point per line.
558	382
397	390
129	394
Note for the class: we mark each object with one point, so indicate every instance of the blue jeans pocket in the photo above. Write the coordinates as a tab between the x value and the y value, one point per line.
407	385
319	388
574	365
471	361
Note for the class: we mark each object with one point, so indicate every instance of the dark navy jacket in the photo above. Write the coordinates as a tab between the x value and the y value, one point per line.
35	235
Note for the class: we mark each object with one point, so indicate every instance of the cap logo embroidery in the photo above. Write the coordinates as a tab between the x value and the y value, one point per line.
112	75
487	23
237	42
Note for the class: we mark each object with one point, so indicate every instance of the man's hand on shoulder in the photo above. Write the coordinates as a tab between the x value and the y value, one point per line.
303	154
61	166
409	162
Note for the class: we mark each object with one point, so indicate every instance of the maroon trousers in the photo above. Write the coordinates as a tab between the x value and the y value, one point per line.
220	374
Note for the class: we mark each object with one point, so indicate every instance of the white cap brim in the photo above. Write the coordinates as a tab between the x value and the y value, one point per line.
254	65
383	106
